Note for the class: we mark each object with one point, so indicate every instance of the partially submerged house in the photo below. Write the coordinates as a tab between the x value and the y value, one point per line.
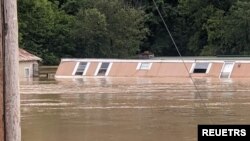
28	64
217	67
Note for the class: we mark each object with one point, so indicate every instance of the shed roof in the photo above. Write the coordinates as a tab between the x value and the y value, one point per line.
26	56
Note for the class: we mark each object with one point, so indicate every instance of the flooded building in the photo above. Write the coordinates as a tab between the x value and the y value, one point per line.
28	64
217	67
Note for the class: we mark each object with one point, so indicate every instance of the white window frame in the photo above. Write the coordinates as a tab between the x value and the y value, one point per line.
99	66
25	75
139	66
194	64
108	69
85	70
229	76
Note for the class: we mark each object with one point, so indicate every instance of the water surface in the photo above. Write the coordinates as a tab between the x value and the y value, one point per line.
129	109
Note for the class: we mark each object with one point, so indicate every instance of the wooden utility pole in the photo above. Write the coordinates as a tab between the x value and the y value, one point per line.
1	76
10	129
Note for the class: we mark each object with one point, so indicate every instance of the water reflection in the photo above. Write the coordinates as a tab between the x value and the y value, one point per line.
134	109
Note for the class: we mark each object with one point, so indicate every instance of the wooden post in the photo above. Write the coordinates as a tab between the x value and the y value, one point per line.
10	61
1	76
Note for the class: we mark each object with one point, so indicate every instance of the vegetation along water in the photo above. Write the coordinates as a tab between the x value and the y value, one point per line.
54	29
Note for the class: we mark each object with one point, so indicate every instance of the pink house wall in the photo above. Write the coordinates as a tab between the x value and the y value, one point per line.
66	68
158	69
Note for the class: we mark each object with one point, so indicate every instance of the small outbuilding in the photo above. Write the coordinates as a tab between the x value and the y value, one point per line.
28	64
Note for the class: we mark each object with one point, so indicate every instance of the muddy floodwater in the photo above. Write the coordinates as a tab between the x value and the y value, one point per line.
129	109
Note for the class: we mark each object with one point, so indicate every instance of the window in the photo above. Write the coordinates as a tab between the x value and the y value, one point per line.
81	68
103	69
144	66
27	72
35	70
201	67
227	70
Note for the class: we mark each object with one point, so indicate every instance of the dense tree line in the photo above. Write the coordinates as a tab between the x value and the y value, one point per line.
53	29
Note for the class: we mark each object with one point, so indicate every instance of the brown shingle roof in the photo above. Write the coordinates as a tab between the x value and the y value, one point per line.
26	56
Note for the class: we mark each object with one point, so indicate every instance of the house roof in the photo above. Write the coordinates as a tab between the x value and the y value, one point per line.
226	58
26	56
164	59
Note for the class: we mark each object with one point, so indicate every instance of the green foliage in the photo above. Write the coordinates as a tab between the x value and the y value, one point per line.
53	29
110	29
90	30
44	30
229	34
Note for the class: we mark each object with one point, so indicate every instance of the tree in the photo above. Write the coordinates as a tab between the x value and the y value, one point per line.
90	31
110	29
53	29
158	41
229	34
44	30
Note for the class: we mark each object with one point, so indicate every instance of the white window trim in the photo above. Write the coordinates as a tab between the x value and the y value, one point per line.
139	65
76	66
85	70
108	70
192	68
222	69
229	76
208	67
99	66
26	68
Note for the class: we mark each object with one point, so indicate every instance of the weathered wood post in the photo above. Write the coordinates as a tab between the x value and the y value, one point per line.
1	76
9	72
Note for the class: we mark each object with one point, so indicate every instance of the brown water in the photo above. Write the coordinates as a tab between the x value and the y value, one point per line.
129	109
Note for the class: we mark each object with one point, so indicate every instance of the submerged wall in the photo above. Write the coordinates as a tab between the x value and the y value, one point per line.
241	70
156	68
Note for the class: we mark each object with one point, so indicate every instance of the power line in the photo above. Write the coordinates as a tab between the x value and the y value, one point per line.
179	53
